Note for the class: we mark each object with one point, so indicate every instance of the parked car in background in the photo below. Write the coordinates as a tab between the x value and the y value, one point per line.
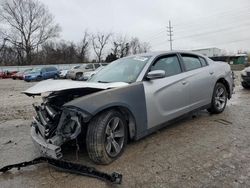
7	74
77	72
63	73
38	74
87	75
19	75
245	78
127	100
1	74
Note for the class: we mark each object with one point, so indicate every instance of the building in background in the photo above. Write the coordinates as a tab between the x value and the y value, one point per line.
232	59
209	52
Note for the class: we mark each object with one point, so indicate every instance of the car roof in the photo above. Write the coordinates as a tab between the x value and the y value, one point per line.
157	53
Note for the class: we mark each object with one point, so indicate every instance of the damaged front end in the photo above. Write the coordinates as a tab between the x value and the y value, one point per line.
55	124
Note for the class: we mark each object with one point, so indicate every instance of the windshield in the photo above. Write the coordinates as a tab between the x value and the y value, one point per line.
35	70
121	70
27	70
76	67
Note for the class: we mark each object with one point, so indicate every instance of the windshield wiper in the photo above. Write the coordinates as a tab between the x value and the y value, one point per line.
102	81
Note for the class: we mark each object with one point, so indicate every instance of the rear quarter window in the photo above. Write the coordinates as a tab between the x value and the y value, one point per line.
203	61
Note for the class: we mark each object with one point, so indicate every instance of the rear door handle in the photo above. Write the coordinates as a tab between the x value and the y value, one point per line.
211	72
184	82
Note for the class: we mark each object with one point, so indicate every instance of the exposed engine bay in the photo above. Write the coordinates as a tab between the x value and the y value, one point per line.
56	123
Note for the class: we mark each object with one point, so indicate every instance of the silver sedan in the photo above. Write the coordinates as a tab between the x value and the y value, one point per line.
128	99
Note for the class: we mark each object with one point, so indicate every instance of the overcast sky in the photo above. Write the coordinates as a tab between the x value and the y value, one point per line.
196	23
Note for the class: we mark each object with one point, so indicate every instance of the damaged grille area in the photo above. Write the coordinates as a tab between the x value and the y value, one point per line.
55	124
46	119
55	128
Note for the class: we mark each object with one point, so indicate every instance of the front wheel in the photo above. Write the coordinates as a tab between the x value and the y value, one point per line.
106	137
56	76
219	99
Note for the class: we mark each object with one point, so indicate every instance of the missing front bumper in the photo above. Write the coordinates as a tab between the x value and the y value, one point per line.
46	149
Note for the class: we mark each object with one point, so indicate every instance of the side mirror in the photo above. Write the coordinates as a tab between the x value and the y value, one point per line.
156	74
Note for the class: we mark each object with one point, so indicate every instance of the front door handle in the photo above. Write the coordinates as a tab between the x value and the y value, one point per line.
184	82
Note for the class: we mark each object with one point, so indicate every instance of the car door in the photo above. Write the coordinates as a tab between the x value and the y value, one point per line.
166	98
200	79
53	72
44	73
49	72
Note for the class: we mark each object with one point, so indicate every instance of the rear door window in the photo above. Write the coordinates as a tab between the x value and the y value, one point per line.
191	62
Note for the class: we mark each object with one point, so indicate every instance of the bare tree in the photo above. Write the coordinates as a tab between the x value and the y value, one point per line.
145	47
120	47
28	24
138	47
135	45
99	41
2	45
83	47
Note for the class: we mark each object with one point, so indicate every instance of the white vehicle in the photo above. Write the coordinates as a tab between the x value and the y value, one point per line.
88	75
63	73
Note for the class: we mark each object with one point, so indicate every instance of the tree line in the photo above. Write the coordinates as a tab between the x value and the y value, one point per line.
29	35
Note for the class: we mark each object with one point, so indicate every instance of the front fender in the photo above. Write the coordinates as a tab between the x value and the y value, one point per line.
131	97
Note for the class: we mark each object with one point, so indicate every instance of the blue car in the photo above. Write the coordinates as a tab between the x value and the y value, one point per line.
38	74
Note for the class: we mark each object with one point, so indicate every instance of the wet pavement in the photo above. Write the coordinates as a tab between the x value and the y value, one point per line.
199	151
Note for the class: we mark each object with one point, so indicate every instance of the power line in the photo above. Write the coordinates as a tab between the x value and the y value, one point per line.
235	19
227	13
219	30
219	43
202	30
170	34
184	25
224	43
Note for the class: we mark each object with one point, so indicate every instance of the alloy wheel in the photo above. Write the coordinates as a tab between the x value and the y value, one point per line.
220	98
114	136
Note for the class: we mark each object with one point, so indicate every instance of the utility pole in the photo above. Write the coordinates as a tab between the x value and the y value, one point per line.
170	34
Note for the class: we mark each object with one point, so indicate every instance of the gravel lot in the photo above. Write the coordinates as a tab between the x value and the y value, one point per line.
199	151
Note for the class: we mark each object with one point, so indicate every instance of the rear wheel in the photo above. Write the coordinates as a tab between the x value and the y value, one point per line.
106	137
219	99
39	78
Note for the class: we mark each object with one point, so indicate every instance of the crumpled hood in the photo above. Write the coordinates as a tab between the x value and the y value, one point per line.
59	85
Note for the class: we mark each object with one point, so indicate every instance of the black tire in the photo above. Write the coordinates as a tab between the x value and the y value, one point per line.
245	85
78	75
97	139
218	102
56	76
39	78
